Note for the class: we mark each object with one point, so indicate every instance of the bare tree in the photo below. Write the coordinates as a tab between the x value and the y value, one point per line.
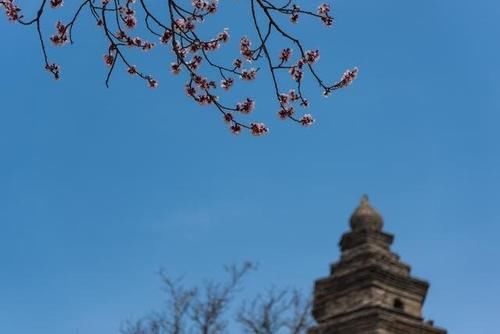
173	23
284	311
204	310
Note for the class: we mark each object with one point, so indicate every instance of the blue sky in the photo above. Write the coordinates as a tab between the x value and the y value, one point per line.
99	188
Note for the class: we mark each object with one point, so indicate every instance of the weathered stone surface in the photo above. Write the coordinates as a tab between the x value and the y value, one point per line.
369	290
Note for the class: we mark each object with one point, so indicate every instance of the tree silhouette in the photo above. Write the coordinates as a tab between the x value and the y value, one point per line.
203	310
177	27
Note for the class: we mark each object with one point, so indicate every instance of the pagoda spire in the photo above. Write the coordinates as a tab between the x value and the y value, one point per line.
365	217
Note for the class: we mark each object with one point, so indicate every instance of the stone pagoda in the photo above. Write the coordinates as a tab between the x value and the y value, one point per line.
369	290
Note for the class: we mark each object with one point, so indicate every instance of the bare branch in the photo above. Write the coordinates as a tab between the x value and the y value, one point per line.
276	312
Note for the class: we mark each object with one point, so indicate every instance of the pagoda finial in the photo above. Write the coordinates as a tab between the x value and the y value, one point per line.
364	200
365	217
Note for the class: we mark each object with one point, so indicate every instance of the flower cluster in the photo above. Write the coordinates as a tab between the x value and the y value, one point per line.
54	69
152	82
195	62
296	71
294	17
248	74
237	63
128	16
245	50
134	41
285	55
223	35
246	106
167	35
208	7
324	14
311	56
110	57
347	78
175	68
258	129
203	82
56	3
235	128
184	25
132	70
60	37
11	10
307	120
228	118
226	83
286	110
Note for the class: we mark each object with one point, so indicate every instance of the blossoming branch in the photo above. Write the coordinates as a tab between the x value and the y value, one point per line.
117	20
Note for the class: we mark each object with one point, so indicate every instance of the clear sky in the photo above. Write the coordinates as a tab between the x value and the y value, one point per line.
99	188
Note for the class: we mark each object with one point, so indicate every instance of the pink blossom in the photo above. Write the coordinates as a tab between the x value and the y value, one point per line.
248	74
211	45
293	95
286	112
60	37
237	63
285	55
327	20
307	120
146	46
212	7
227	83
311	56
283	98
258	129
132	70
205	99
165	38
199	4
190	90
324	13
184	25
54	69
228	117
201	82
56	3
152	83
245	48
175	68
294	17
224	35
235	129
246	106
11	10
121	35
130	21
203	5
323	9
195	62
347	78
296	72
109	59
